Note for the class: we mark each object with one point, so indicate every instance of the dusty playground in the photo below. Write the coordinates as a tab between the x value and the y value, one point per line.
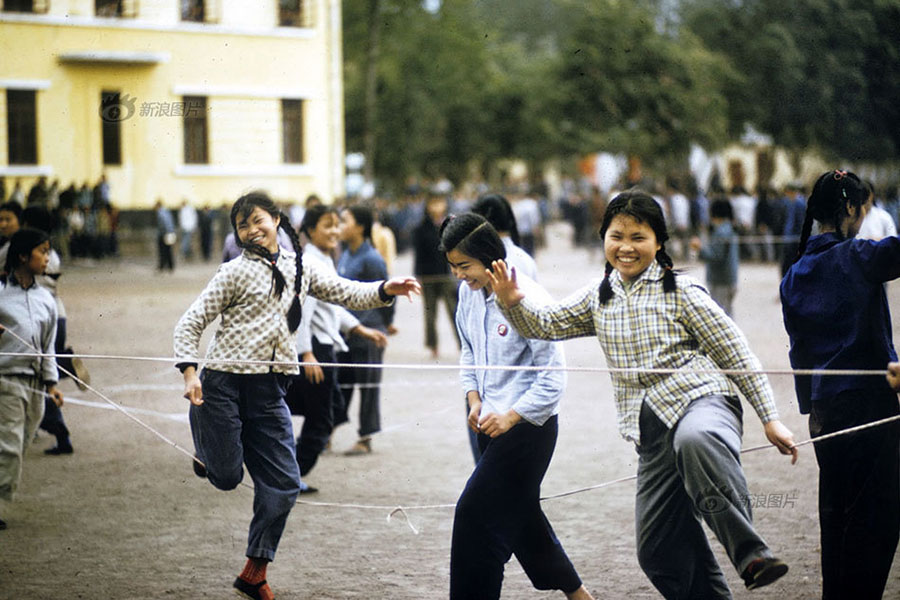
124	517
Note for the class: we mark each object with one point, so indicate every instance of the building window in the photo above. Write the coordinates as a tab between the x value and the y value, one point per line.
295	13
195	130
292	130
116	8
111	128
25	6
108	8
21	122
193	10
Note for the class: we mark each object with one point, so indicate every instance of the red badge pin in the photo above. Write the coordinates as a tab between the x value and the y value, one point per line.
502	329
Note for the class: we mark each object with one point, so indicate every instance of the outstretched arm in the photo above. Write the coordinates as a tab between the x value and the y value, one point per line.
402	286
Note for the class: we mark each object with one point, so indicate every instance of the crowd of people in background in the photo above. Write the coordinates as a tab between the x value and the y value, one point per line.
84	221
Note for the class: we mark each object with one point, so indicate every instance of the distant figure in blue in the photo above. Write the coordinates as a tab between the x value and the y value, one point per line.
720	254
837	316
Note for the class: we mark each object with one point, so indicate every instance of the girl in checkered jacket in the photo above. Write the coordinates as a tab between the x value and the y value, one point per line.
682	414
238	414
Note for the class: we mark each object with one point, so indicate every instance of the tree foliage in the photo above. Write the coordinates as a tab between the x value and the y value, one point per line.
478	80
814	73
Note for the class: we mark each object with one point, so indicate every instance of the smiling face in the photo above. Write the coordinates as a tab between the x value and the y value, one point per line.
468	269
326	233
259	228
630	246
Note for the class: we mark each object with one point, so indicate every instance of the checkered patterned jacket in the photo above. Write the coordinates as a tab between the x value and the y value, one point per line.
646	328
253	322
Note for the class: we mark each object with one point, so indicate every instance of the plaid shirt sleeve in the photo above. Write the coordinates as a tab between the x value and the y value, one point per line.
573	317
726	345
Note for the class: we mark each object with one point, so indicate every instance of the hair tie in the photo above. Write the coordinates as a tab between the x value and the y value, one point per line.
838	175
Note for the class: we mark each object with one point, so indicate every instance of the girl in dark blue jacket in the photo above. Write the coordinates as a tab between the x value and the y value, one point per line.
836	314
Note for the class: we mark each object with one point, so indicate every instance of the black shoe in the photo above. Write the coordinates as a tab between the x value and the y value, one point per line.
763	571
199	469
60	449
2	524
308	489
254	591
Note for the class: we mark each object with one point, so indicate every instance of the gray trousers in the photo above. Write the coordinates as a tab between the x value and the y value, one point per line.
21	410
690	472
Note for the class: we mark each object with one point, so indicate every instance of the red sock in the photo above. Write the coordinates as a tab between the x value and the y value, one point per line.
255	570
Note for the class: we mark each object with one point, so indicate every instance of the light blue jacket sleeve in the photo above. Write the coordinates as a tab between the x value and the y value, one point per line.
304	330
541	400
468	378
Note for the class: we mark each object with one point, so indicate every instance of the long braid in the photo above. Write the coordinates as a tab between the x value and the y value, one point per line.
805	233
295	312
605	287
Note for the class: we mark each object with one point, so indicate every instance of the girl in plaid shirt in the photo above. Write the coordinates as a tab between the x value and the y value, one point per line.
686	425
238	414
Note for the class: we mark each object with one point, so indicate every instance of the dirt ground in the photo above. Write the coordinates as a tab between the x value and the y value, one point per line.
125	518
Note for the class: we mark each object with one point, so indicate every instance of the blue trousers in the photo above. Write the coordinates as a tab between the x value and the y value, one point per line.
53	421
499	514
362	351
686	473
244	420
317	402
859	493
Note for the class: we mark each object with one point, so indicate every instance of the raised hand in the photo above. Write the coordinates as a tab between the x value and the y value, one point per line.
503	283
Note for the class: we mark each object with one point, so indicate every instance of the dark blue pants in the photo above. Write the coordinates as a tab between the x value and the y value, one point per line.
53	421
362	351
244	420
317	402
859	493
499	514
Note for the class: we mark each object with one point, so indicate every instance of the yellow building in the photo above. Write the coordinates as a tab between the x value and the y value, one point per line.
173	99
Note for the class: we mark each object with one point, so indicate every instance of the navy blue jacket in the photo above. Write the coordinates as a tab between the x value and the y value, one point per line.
836	313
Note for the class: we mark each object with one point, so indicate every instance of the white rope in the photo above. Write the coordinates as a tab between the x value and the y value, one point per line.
399	509
457	367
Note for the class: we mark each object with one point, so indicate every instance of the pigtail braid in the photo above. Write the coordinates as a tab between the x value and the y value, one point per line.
295	312
605	288
665	261
804	233
278	281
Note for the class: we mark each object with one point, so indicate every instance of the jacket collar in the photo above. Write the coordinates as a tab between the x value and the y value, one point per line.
652	273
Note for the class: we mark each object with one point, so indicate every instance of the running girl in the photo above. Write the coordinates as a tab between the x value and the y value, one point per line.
837	316
238	414
514	414
29	312
686	425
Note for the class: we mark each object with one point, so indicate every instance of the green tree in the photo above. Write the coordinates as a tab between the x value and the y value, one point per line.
626	86
814	73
